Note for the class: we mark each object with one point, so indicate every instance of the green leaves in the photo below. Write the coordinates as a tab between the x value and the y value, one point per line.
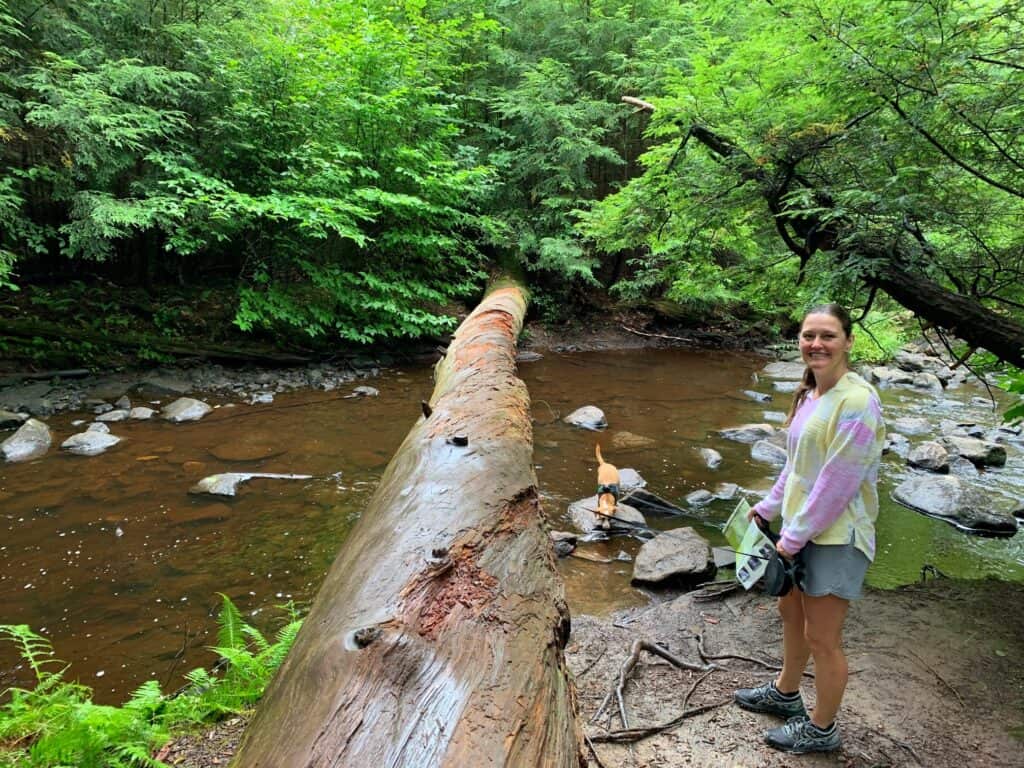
56	724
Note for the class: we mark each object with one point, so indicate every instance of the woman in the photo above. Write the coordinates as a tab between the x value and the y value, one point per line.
828	497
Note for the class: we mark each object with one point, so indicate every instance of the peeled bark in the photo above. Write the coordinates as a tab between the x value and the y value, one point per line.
437	637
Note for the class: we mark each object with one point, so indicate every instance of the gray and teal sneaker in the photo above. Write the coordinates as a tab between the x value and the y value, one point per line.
799	735
766	698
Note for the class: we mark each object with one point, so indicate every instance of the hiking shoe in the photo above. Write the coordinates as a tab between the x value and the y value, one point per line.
766	698
799	735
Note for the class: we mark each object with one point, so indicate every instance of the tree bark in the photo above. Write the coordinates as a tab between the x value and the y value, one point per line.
437	637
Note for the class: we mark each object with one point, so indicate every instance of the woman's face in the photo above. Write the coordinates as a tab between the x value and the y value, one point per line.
823	344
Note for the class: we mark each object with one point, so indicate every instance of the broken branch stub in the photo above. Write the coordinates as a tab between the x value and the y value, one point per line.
437	637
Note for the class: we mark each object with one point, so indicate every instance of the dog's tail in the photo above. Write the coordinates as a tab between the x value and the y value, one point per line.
597	452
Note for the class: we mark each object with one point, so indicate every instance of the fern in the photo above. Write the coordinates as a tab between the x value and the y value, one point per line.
230	625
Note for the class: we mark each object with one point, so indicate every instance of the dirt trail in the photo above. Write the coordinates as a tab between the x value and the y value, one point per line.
937	682
937	679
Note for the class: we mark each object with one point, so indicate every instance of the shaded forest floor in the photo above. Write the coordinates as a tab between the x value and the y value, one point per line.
102	326
936	681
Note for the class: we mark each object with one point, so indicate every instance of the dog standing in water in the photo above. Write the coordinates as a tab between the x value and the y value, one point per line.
607	490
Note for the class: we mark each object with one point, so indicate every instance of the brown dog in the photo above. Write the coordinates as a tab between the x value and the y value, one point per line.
607	489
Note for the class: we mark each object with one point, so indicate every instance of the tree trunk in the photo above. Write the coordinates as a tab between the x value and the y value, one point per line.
437	637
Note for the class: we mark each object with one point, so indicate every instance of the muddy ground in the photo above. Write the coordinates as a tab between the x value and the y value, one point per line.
937	681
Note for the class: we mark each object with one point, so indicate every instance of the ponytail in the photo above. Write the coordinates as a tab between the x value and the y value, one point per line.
807	383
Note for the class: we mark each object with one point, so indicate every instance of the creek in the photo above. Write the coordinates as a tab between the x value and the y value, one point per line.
120	567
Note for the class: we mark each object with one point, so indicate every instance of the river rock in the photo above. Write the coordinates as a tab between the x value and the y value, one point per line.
185	409
584	516
247	448
365	391
910	425
678	554
712	458
226	483
981	452
890	376
123	403
785	387
927	382
776	417
98	426
929	455
528	357
11	420
90	443
726	491
951	499
31	441
757	397
35	398
630	479
262	398
699	498
896	443
141	413
961	467
118	414
748	433
627	441
102	408
162	384
916	362
768	452
588	417
782	370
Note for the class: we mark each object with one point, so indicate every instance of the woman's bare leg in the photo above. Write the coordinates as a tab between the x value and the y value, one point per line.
795	650
824	617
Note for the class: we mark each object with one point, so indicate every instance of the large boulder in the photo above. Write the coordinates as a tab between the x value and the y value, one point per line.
951	499
981	453
31	441
748	433
588	417
186	409
680	554
584	516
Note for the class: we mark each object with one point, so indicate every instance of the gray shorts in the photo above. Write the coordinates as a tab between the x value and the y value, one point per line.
834	569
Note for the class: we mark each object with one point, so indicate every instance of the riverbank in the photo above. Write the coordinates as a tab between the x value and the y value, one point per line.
936	680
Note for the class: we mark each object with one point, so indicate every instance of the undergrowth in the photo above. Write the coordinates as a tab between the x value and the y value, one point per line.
55	724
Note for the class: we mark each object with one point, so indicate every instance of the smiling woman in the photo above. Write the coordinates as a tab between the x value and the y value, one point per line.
828	498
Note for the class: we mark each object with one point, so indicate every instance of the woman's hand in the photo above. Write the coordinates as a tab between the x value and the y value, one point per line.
783	551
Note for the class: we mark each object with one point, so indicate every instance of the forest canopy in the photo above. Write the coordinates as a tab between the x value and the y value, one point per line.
351	170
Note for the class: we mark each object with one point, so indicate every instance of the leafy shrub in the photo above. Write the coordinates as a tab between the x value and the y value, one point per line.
56	724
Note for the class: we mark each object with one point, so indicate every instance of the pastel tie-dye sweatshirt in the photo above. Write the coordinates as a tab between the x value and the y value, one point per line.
828	491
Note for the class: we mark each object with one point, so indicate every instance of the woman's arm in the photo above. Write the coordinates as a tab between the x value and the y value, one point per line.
850	456
770	506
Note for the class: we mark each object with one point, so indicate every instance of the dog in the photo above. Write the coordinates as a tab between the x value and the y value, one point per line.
607	490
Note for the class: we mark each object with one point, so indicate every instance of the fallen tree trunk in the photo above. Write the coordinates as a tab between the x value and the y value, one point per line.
437	637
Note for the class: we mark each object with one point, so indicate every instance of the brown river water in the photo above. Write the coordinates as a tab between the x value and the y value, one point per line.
120	568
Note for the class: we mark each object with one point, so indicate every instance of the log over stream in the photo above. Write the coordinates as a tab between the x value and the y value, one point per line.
437	637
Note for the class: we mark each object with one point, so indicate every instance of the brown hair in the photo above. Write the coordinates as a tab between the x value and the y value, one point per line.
807	382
